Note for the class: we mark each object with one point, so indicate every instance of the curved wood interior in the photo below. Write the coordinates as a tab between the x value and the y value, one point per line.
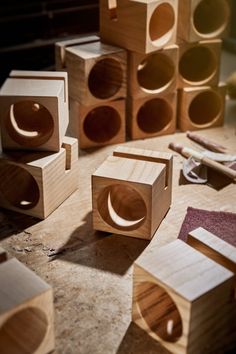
161	24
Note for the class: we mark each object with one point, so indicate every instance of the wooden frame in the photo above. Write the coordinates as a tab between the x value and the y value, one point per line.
199	63
97	72
203	20
201	107
183	299
140	26
34	112
153	73
98	125
151	116
132	192
46	179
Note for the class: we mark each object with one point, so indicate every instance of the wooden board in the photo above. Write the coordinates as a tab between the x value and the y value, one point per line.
91	273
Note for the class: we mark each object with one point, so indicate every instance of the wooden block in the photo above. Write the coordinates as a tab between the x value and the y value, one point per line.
203	19
60	48
96	72
98	125
34	112
140	26
26	311
153	73
182	299
3	255
201	107
132	192
199	63
155	116
45	179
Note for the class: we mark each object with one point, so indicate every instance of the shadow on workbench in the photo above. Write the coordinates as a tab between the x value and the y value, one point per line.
99	250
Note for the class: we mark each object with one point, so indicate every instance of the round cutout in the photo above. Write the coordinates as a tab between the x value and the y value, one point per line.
161	24
211	17
197	65
205	108
122	207
18	186
105	78
23	332
159	311
154	116
155	73
102	124
29	123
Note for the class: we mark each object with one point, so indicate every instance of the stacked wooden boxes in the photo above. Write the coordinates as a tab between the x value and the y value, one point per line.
39	164
201	24
147	29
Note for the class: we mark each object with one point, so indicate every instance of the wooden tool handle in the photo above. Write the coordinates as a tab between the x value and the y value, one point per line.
219	167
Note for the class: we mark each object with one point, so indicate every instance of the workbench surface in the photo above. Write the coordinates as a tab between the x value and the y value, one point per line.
91	272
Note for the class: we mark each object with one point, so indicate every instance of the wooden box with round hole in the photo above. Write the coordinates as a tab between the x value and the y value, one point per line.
151	116
201	107
131	192
98	125
26	311
34	112
183	299
37	183
154	73
140	26
96	72
199	63
203	19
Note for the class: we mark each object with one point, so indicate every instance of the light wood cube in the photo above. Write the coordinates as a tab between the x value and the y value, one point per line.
140	26
96	72
201	107
132	192
98	125
34	113
199	63
183	299
37	183
153	73
148	117
203	19
60	48
26	311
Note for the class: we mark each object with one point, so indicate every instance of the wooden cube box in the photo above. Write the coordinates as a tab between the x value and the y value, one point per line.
203	19
155	116
140	26
131	192
37	183
201	107
26	311
96	72
34	113
183	299
153	73
98	125
199	63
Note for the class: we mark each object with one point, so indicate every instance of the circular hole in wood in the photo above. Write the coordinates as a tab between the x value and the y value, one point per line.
102	124
161	24
18	186
105	78
154	116
155	73
159	311
23	332
197	65
122	207
211	17
29	123
205	108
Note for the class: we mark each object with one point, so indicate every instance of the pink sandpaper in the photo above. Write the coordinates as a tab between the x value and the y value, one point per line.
221	224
